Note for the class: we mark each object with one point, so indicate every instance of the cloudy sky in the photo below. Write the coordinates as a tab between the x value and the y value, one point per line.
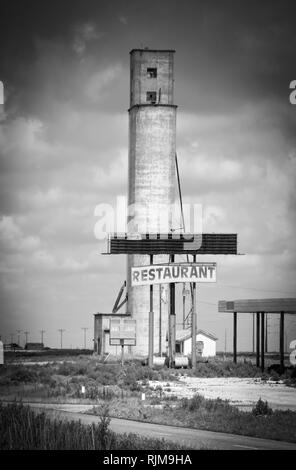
63	150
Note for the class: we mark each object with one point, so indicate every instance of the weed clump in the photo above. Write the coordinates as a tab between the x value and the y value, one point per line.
23	429
261	408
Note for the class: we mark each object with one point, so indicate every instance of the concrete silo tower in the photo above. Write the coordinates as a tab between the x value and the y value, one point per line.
151	188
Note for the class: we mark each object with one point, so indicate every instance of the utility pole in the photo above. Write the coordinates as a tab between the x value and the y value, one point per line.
61	330
85	329
19	337
26	333
193	323
266	333
42	333
225	341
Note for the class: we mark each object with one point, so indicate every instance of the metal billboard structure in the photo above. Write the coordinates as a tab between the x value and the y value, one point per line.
173	244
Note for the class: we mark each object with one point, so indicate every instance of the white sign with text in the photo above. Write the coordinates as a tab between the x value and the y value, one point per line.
163	274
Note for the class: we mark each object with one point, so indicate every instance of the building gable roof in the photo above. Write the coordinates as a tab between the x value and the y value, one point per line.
182	335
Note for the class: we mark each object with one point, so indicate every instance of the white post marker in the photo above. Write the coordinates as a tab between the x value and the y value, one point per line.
1	353
1	93
83	389
143	397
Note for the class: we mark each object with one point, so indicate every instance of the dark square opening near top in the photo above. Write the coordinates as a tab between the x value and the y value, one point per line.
152	72
151	96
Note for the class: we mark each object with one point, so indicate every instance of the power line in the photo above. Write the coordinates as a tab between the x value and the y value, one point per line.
255	289
205	302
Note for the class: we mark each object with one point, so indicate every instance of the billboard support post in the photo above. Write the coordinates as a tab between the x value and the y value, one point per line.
282	356
193	324
160	319
151	324
235	337
257	339
122	352
262	342
172	323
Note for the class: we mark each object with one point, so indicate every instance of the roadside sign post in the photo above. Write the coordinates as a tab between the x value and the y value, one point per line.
122	333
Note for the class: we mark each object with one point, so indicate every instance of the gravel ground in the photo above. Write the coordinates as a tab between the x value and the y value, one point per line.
243	393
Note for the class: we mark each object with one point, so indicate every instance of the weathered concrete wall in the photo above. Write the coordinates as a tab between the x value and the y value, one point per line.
152	179
163	61
152	146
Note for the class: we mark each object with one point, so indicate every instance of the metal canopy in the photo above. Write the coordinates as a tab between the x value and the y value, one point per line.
153	244
259	307
286	305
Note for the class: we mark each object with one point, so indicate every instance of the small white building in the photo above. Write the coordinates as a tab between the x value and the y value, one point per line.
205	343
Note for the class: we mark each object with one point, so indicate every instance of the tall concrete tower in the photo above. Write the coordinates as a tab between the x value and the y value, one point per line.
151	188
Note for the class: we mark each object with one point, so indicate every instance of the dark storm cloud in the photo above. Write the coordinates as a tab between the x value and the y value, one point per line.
39	40
64	137
237	52
228	52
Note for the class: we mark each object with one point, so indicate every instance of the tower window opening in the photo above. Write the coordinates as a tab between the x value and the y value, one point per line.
151	97
152	72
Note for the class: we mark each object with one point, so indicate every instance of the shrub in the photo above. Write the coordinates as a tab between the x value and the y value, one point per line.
198	403
20	374
67	368
193	403
262	408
